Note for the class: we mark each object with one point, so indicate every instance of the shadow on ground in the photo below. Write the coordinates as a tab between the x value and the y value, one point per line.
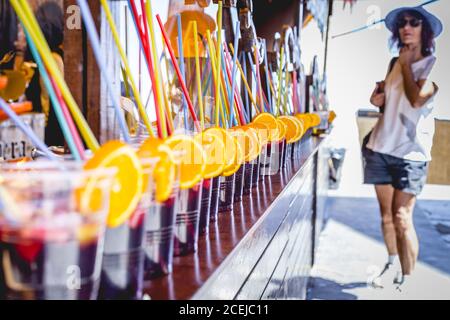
362	215
325	289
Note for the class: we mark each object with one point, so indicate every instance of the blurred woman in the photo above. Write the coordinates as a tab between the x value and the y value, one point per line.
397	152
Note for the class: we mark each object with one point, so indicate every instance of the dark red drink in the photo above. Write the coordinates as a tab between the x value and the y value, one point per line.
187	221
43	264
226	193
215	194
123	259
159	238
205	208
248	176
239	188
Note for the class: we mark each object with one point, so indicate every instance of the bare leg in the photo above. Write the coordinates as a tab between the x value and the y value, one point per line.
407	242
385	195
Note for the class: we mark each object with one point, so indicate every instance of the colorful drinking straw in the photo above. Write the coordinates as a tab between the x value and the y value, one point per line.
162	94
54	100
233	73
95	43
234	102
160	117
258	74
197	72
126	65
26	130
244	79
78	143
182	66
280	74
236	94
227	84
178	72
266	70
220	93
218	59
295	87
26	16
244	75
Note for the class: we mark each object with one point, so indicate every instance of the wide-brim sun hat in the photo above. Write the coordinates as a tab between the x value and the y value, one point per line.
435	22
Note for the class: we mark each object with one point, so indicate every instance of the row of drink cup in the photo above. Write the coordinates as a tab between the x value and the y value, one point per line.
73	256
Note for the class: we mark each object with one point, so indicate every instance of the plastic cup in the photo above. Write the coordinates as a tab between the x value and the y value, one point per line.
239	180
50	246
187	220
205	208
215	194
227	187
123	257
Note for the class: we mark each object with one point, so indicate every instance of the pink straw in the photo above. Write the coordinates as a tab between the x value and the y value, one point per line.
73	130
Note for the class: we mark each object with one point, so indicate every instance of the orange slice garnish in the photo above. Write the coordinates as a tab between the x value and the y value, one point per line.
332	116
230	146
191	158
306	120
246	141
254	142
317	120
281	130
263	132
272	124
237	161
126	190
292	128
164	170
214	148
301	128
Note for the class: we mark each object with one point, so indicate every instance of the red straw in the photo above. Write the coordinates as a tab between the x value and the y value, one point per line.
75	135
147	53
180	77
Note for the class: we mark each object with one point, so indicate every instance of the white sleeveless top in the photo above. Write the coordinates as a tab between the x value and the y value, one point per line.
403	131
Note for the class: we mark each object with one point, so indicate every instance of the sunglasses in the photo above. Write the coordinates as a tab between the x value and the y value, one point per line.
414	22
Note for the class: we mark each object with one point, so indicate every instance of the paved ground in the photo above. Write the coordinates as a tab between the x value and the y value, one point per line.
351	250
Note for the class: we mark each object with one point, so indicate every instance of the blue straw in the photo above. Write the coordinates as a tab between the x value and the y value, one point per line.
95	43
255	76
182	68
206	88
248	110
233	81
51	92
269	93
27	130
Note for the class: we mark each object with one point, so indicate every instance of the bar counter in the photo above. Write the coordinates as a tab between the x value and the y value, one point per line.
264	248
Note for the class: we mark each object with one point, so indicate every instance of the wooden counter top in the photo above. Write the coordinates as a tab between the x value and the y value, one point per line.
235	243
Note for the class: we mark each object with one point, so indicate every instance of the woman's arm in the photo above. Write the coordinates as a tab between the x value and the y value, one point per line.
418	93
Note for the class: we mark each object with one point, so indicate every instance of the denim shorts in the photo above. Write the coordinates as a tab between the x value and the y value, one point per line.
404	175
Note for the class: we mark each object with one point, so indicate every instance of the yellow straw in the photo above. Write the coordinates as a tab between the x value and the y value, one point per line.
280	74
219	60
244	79
162	96
28	19
136	93
216	75
199	80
